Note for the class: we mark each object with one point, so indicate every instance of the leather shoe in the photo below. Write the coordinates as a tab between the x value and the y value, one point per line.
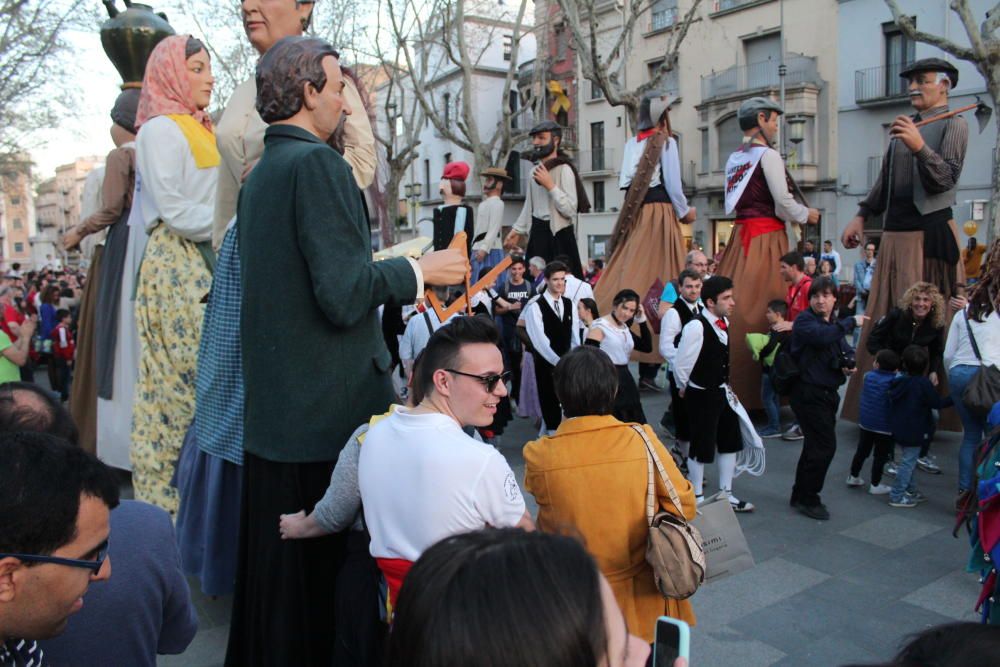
818	512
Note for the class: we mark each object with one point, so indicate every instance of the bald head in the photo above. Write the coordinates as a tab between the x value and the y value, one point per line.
25	407
697	261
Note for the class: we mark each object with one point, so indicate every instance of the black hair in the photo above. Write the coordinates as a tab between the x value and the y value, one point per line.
887	360
688	273
914	360
61	313
794	258
463	603
823	285
586	382
445	345
519	259
26	407
599	263
193	46
778	306
591	305
41	480
283	72
483	271
715	286
555	267
950	645
626	295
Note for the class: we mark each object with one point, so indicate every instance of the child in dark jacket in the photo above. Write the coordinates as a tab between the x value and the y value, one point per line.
873	422
912	397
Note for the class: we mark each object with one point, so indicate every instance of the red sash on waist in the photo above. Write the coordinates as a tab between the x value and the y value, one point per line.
754	227
394	570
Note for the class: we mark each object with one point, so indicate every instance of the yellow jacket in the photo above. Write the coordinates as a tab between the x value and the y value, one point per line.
589	479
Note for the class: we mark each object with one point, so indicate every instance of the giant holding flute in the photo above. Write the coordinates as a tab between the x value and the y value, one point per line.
914	194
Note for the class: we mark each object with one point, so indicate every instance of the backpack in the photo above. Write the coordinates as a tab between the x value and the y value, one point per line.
784	372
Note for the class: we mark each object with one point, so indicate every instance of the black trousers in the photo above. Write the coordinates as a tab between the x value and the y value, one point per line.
682	427
284	601
551	410
648	371
512	352
714	425
815	409
543	243
360	634
867	441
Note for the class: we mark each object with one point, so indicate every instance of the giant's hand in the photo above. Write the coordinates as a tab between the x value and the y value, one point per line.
904	129
690	216
813	216
513	241
444	267
851	238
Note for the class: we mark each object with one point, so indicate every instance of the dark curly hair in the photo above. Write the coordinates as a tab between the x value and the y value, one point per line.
283	72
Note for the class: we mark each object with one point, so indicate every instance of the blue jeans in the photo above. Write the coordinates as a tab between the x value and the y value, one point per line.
859	309
972	426
904	473
772	402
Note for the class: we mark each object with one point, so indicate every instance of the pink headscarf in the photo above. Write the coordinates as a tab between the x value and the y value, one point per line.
165	87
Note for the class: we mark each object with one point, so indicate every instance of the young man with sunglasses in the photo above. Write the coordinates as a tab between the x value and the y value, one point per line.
421	477
55	502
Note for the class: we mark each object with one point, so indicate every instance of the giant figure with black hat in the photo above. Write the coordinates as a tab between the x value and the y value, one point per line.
555	195
913	195
758	193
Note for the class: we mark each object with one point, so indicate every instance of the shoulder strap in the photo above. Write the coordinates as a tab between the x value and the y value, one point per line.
427	321
651	458
772	342
972	339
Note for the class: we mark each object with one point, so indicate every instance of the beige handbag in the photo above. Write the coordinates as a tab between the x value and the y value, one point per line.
674	549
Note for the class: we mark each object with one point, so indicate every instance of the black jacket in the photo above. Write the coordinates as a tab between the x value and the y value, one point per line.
898	330
821	350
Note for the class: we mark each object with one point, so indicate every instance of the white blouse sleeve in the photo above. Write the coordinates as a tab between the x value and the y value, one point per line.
173	184
670	167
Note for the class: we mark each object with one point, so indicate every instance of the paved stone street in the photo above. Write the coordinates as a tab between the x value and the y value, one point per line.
832	593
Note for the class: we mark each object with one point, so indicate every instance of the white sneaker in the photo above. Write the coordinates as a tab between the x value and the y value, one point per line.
793	433
855	481
890	468
879	490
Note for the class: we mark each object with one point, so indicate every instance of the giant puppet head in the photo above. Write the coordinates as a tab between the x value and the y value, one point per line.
546	138
494	181
453	180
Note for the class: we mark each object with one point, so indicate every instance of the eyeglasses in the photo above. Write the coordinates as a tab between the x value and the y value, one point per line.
94	565
489	381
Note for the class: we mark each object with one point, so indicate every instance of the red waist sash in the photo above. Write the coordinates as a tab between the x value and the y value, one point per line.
754	227
395	571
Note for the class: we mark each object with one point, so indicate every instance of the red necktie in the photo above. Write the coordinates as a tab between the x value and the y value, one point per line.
721	323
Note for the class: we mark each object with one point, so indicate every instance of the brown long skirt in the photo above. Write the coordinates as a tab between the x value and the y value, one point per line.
83	392
653	250
756	281
901	263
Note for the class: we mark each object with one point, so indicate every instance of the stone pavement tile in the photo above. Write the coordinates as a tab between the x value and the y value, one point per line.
212	612
726	648
892	531
884	631
725	601
831	651
835	554
952	595
207	650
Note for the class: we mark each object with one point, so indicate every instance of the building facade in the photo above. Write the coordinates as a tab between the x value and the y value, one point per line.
58	209
17	212
872	53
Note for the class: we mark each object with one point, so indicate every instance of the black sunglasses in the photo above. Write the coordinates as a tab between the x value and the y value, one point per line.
95	565
489	381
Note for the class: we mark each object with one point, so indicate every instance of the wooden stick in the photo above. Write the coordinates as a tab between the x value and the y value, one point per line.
968	107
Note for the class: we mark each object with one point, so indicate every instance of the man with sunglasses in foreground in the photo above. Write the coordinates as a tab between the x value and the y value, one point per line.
55	503
421	477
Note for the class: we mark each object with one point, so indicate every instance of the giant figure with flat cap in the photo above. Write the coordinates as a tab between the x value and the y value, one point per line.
913	195
554	197
758	192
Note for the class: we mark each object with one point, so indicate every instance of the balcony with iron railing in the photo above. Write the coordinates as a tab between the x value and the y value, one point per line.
758	76
726	6
597	162
875	85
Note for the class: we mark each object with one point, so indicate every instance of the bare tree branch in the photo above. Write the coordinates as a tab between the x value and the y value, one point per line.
905	24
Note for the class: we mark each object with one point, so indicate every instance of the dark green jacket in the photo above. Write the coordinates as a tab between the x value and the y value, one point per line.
315	365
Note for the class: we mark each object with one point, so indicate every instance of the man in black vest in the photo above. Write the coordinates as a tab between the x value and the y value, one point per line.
701	371
683	310
552	324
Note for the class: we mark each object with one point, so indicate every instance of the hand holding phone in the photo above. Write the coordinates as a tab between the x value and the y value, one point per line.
673	640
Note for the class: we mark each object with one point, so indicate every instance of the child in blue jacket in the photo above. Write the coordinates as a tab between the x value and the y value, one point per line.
912	397
873	422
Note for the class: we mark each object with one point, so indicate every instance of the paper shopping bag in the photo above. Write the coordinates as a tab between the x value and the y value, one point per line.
651	304
726	549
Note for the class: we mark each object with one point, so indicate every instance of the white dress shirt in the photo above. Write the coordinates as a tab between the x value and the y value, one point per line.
692	337
489	218
557	205
176	191
670	326
536	327
785	206
670	164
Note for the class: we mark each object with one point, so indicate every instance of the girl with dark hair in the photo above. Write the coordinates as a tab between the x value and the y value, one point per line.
177	162
464	604
613	334
593	450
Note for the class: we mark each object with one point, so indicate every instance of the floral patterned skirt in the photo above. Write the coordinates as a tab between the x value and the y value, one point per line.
173	279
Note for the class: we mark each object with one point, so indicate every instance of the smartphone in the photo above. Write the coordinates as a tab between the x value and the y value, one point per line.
673	640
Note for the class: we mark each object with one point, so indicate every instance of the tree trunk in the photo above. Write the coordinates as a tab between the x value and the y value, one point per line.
390	230
993	221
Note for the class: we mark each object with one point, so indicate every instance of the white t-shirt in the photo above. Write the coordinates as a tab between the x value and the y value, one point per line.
423	479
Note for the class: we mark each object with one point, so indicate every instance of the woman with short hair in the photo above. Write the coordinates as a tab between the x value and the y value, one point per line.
613	334
591	477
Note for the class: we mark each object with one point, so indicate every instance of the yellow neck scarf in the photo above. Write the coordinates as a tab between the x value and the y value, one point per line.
200	139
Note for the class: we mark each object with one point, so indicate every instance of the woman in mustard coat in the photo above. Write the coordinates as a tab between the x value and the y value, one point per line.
590	479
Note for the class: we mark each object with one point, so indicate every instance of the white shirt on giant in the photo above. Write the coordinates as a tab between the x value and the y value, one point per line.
536	327
175	191
958	349
669	164
671	326
489	218
692	337
423	479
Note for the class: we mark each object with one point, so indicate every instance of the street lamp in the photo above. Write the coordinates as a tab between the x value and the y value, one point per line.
796	129
412	191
